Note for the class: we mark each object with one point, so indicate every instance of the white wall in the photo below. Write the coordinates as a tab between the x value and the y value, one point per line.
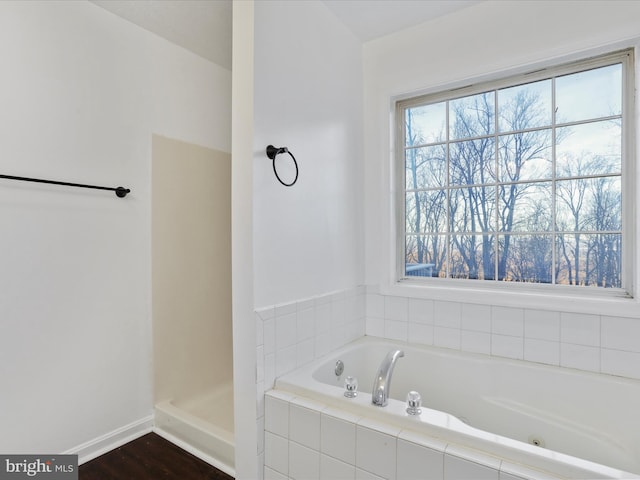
308	97
304	91
485	41
81	93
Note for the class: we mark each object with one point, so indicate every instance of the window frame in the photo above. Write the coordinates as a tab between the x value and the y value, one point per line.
628	177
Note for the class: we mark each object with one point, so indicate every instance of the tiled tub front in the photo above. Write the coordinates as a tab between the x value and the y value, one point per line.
306	439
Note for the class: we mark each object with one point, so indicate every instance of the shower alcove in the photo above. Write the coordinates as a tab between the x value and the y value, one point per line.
191	299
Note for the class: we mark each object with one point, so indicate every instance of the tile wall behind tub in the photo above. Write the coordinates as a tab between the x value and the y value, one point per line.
595	343
293	334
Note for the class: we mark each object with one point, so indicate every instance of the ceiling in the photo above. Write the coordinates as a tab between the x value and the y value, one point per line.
204	26
369	19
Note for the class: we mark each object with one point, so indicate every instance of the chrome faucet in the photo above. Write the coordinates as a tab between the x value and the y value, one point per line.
382	382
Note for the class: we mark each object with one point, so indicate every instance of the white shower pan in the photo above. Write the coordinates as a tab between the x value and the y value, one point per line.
201	424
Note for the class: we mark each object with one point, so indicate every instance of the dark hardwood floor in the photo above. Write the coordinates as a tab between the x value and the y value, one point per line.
149	457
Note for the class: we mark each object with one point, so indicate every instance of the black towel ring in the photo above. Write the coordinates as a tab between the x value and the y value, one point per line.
272	152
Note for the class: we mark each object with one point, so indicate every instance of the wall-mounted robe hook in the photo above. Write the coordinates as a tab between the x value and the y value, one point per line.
272	152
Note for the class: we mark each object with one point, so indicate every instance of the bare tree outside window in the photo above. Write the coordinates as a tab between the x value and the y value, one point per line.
518	184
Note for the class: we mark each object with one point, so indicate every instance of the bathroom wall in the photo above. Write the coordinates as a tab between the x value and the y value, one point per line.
480	43
306	83
81	92
308	97
191	266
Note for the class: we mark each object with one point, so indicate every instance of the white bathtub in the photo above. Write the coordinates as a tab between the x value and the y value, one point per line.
588	424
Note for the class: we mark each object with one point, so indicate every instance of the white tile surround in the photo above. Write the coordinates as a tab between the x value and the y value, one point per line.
294	334
595	343
306	440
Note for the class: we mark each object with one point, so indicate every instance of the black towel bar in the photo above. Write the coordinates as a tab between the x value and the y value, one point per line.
121	192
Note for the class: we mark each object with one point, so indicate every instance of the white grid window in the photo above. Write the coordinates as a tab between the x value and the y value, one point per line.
521	180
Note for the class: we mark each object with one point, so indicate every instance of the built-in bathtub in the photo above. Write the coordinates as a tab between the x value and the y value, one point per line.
564	422
201	424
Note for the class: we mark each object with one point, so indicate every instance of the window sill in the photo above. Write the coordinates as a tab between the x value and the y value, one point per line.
611	303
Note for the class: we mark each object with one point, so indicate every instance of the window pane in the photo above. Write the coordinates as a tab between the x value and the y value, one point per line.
472	162
426	211
525	258
426	167
525	106
525	156
589	149
591	94
472	257
589	204
425	255
412	215
472	116
605	204
473	209
521	182
591	260
525	207
425	124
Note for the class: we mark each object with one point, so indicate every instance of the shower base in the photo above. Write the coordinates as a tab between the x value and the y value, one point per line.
201	424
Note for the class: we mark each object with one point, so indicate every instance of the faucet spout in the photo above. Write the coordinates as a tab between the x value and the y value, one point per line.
382	382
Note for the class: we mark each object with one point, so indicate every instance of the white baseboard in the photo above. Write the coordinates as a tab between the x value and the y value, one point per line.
109	441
